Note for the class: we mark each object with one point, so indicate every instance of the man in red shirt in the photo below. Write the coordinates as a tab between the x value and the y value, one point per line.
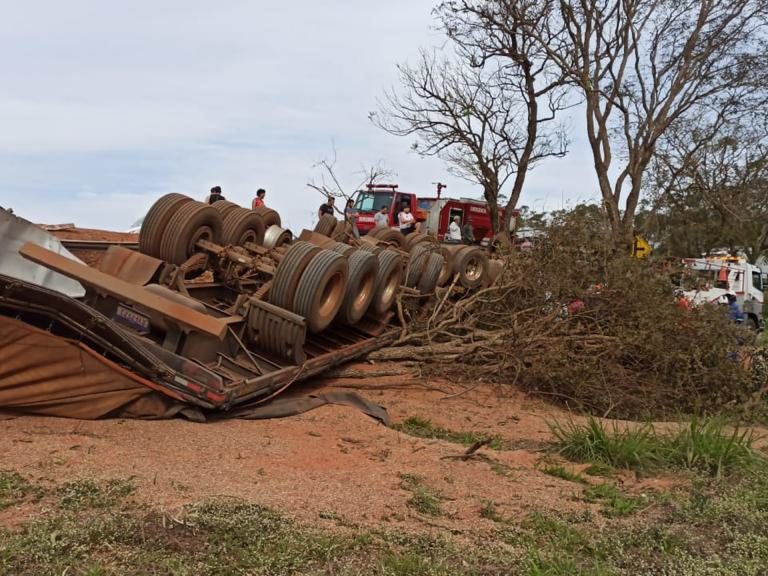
259	200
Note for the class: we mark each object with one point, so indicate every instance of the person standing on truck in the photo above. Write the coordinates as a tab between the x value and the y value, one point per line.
454	230
350	215
258	202
327	207
407	221
381	218
215	195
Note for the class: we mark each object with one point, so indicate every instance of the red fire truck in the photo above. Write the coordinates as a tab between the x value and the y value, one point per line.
435	214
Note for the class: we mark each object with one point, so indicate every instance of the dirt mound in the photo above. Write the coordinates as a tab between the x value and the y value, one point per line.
93	235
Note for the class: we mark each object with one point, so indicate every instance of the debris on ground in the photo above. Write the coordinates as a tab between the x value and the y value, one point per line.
589	329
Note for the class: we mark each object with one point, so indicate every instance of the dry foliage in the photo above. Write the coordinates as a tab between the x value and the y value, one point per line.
630	351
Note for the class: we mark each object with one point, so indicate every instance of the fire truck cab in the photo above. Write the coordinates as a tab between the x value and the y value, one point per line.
434	214
376	196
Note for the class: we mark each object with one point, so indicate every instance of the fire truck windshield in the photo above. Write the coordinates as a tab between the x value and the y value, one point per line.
373	201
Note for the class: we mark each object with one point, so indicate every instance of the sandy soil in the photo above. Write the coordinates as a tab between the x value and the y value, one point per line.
93	235
93	257
330	464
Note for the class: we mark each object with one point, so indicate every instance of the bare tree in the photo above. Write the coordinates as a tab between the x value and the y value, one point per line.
475	113
640	66
536	84
330	186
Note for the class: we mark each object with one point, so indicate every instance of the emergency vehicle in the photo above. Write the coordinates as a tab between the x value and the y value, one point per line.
716	276
434	213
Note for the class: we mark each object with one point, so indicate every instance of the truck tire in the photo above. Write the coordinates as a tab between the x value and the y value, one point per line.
471	264
340	231
361	284
431	273
156	220
192	222
416	261
326	225
242	225
225	207
289	272
446	272
344	249
372	248
373	232
269	216
415	238
390	235
388	281
320	292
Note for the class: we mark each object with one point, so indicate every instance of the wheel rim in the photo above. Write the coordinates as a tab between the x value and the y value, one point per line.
333	291
390	288
248	236
203	233
364	292
473	270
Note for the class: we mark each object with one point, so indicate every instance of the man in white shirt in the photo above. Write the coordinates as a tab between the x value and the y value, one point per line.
454	230
381	218
407	221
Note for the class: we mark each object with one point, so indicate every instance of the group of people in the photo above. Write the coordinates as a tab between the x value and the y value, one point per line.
350	213
404	219
216	196
460	234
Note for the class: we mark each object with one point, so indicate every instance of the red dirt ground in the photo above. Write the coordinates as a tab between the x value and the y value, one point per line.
330	464
93	235
92	257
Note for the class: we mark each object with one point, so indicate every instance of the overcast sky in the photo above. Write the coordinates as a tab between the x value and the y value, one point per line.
104	106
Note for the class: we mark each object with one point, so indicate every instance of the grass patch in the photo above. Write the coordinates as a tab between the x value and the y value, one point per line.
710	528
630	448
423	428
600	469
84	494
222	537
706	446
424	499
564	474
15	489
553	564
702	445
616	504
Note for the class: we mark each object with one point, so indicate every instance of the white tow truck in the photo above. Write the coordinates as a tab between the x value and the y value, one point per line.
716	276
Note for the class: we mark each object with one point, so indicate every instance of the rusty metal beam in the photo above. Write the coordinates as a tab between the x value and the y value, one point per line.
97	245
185	317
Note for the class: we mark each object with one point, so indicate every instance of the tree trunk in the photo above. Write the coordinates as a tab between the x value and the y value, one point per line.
491	194
532	129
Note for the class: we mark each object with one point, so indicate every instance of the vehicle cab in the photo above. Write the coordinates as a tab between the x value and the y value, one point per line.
371	200
716	276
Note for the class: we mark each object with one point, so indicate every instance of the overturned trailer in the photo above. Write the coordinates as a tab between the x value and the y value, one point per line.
219	308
